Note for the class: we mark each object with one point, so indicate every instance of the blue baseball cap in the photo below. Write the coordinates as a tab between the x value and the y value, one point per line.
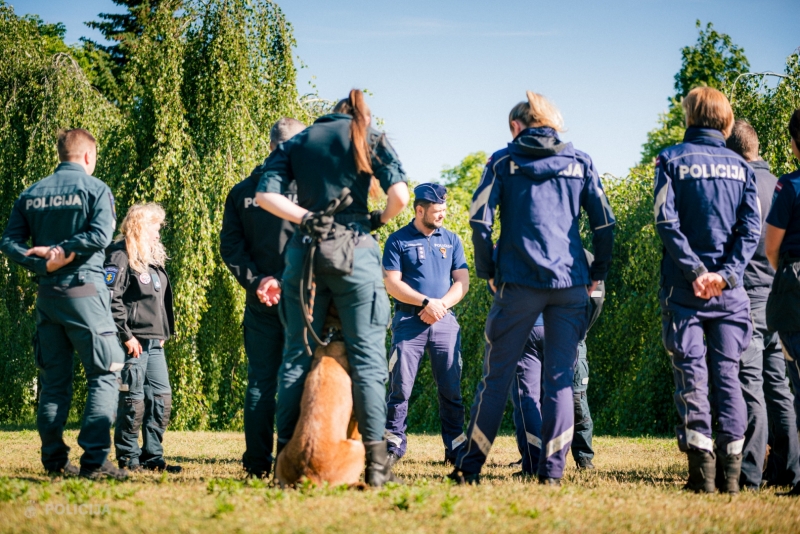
431	192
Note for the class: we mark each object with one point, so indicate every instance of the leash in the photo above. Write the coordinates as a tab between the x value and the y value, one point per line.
307	282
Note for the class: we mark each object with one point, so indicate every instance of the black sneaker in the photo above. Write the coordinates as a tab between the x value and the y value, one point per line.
107	470
158	467
68	470
523	475
518	463
547	481
584	463
461	478
794	492
254	473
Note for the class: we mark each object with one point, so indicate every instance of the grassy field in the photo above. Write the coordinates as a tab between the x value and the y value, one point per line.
636	488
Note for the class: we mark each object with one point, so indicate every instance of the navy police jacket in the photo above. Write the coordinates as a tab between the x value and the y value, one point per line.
252	239
540	184
706	209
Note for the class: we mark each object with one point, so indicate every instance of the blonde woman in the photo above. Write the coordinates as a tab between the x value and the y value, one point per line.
141	303
540	183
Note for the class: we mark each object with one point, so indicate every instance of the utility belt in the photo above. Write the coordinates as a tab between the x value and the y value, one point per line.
783	304
77	284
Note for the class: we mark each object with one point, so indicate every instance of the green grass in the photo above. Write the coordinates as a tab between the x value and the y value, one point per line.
636	488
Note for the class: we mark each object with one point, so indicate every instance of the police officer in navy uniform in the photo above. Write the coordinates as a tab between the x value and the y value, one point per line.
782	248
338	151
141	303
762	369
707	216
425	270
540	184
526	393
69	219
251	245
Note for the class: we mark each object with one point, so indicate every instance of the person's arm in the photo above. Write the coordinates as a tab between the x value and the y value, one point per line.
400	290
772	244
233	249
117	280
602	222
459	288
101	227
668	227
747	231
481	220
396	201
14	243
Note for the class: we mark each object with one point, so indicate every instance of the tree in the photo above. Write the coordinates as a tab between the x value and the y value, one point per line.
713	61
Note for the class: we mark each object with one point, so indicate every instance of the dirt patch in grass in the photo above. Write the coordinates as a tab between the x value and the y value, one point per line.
635	488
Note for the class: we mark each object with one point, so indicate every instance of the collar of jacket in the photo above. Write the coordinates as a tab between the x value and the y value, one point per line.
70	166
330	117
759	164
537	143
703	136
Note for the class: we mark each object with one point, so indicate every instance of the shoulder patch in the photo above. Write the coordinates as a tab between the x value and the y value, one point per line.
111	275
778	187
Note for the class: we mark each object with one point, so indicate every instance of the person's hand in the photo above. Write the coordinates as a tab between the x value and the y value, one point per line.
435	308
427	318
592	288
269	291
134	347
709	285
316	223
376	219
55	257
491	284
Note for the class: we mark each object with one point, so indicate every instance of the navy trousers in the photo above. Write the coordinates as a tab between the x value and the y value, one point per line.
411	337
790	342
263	343
770	413
526	399
508	327
705	339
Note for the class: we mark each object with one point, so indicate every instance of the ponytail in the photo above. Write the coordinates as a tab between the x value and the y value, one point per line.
538	111
355	106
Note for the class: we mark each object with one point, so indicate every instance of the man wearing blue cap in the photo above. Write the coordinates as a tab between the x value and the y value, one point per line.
426	273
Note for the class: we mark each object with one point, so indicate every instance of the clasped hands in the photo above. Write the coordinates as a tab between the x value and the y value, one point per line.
709	285
434	311
55	256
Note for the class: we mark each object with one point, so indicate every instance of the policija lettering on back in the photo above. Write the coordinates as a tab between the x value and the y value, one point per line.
56	201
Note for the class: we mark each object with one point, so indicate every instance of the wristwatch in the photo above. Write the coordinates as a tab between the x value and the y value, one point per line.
425	302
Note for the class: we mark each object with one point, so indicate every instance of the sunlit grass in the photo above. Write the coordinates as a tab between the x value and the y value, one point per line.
636	488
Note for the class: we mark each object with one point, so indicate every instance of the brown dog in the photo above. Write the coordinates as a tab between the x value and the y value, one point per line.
325	446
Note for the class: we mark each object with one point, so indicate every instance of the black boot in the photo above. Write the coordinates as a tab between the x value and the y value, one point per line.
463	478
107	470
379	468
794	492
702	469
729	467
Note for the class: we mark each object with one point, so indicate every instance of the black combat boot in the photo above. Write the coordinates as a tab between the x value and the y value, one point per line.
462	477
547	481
69	470
107	470
702	469
379	468
730	466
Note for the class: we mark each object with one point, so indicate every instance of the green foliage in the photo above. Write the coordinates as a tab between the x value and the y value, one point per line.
713	61
201	85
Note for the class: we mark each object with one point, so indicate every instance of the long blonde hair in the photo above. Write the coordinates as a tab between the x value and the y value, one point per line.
141	254
538	111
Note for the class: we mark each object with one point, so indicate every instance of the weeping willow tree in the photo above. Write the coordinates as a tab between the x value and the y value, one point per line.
189	118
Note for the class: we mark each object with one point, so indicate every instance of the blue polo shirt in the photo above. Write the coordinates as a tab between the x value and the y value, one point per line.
785	212
425	261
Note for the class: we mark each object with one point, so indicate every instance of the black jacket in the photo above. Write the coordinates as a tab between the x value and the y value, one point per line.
141	303
759	273
252	239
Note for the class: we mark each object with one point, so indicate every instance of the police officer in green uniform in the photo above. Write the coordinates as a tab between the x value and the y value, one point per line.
338	151
69	219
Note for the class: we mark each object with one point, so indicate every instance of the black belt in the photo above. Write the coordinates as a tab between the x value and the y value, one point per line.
402	306
344	218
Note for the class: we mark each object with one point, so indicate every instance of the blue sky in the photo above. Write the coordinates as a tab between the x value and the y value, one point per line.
444	74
